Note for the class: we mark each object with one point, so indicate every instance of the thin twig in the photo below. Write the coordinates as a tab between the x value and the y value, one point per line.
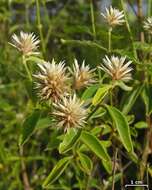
114	169
24	173
146	148
92	19
39	25
129	30
140	18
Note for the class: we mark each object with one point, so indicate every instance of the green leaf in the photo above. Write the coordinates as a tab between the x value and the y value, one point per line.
105	143
100	94
133	157
96	130
35	59
130	99
94	144
106	129
123	86
98	113
141	125
121	124
86	163
57	171
83	43
43	123
89	92
69	140
130	119
29	126
107	166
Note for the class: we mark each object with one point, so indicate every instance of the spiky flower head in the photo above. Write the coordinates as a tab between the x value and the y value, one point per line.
82	75
113	16
148	25
52	81
70	113
116	68
27	43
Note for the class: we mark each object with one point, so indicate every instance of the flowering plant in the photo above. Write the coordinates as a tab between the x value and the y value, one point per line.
78	115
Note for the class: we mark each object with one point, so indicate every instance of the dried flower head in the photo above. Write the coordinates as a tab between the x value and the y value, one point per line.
82	75
70	112
148	25
113	16
27	43
52	81
116	68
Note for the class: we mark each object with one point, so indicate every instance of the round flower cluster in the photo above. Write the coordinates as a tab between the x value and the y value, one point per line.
113	17
54	84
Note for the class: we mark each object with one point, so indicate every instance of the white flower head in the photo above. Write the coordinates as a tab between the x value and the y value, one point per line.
113	16
116	68
82	75
27	43
52	81
70	113
148	25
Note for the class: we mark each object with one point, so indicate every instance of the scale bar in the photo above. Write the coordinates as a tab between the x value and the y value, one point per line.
138	185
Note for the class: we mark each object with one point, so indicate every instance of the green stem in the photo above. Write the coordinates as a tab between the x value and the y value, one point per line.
92	19
129	30
109	39
26	68
149	8
39	25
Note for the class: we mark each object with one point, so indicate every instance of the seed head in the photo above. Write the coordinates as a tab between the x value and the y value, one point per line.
27	43
82	75
148	25
113	16
70	112
116	68
52	81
